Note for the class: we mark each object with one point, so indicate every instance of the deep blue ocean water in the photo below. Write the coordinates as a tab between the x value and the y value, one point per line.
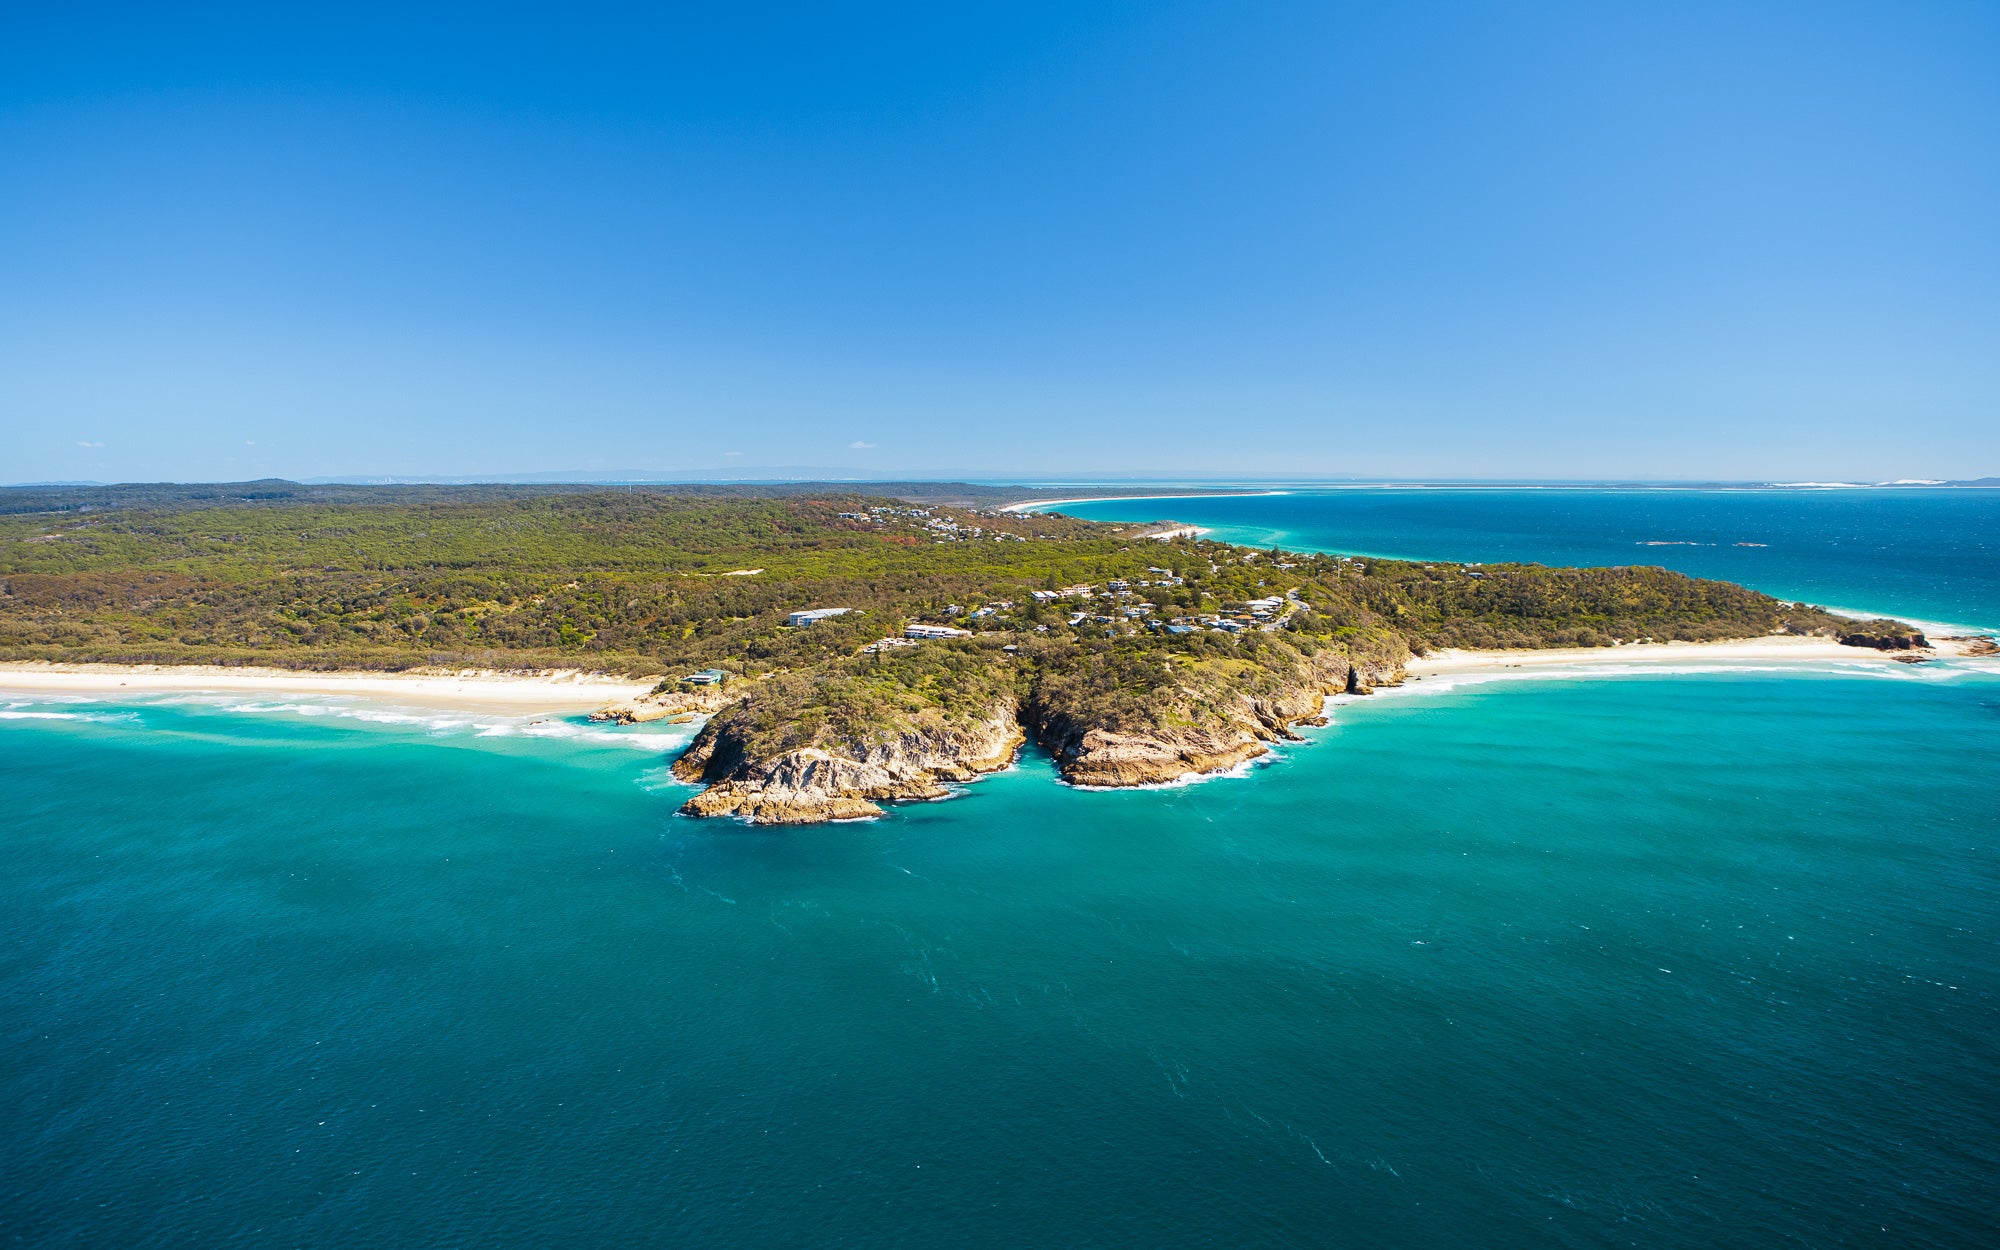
1932	555
1694	959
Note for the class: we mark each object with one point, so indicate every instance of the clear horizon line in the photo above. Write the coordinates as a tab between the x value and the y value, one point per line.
800	474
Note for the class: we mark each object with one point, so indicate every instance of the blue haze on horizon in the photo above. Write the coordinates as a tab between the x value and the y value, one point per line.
1556	241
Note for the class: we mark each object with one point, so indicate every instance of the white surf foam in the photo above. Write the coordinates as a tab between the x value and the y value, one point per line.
432	722
1270	756
40	709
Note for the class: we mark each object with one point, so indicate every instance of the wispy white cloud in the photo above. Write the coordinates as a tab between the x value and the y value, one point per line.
732	453
82	443
857	443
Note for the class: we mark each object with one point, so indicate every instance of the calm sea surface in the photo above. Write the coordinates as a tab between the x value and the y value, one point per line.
1699	959
1928	554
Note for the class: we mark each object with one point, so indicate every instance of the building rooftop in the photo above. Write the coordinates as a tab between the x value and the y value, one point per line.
810	615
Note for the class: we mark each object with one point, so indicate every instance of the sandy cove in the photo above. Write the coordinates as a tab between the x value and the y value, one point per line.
1778	648
556	691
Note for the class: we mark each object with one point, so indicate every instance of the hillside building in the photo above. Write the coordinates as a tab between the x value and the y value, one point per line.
812	616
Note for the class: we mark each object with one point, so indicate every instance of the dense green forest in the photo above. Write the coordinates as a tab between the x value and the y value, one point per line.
652	581
1073	629
277	492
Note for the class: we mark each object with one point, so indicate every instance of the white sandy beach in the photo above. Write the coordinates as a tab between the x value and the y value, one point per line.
1032	504
571	692
1778	648
556	692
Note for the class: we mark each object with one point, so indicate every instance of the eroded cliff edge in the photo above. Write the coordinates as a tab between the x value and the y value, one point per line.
840	778
1195	715
834	742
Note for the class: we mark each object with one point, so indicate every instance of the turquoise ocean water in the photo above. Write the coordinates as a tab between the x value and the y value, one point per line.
1707	958
1927	554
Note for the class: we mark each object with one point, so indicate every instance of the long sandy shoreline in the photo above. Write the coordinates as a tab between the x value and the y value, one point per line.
571	692
556	692
1777	648
1031	504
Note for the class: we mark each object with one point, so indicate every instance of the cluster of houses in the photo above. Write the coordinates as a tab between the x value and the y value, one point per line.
1264	613
940	526
917	630
1116	588
1067	592
914	633
945	530
1257	613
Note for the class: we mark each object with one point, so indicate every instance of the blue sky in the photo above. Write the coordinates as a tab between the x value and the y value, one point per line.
1544	240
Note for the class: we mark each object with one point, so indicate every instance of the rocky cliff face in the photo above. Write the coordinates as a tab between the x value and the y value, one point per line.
1381	666
841	779
1195	728
1102	757
781	755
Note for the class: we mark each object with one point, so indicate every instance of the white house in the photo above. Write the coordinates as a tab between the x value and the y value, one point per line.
814	615
934	631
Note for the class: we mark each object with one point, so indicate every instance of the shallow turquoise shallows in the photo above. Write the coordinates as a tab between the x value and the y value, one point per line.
1694	960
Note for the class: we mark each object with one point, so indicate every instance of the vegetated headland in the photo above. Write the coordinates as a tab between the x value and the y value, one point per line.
847	649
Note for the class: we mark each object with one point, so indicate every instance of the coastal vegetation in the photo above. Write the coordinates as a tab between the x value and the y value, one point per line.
1132	659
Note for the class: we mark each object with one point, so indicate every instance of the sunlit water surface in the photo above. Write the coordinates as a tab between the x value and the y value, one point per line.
1696	959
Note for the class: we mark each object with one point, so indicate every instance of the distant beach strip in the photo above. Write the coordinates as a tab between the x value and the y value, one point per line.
1043	505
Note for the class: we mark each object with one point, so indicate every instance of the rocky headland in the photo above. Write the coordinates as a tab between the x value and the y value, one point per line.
839	777
790	751
869	648
1200	726
800	748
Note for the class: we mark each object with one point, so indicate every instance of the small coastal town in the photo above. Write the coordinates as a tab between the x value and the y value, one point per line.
938	527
